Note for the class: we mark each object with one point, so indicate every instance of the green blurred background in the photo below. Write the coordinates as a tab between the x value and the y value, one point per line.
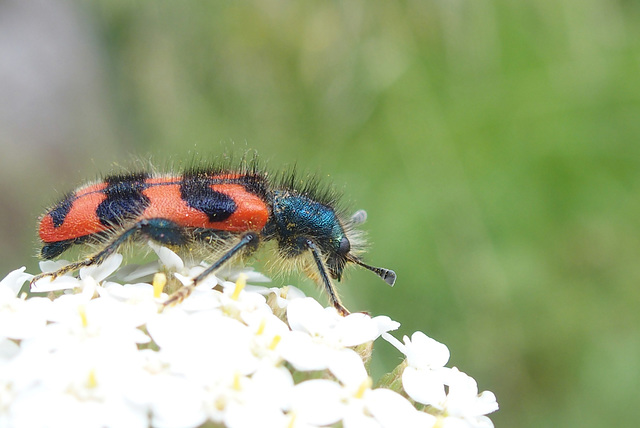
494	145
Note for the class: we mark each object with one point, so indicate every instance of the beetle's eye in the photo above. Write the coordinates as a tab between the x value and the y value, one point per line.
345	246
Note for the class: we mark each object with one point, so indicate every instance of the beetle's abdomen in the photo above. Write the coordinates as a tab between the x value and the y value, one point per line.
221	202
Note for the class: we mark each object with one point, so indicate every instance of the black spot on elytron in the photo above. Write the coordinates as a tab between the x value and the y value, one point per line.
60	211
255	184
124	201
196	191
54	249
51	250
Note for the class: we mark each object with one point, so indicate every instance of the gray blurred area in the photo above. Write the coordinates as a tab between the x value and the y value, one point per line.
55	120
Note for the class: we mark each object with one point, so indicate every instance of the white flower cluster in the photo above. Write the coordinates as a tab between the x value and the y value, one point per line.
104	354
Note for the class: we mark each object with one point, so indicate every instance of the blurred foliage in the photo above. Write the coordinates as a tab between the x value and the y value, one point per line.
493	144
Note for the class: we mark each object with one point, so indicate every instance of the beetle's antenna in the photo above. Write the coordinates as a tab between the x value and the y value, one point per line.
387	275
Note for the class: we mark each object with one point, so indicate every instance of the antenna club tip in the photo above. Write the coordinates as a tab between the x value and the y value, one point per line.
389	277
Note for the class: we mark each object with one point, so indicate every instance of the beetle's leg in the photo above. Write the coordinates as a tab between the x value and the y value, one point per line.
326	282
160	230
248	240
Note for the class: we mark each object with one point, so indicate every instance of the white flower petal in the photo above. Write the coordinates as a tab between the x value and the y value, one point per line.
283	295
23	319
273	386
131	273
185	280
304	353
424	352
480	422
308	316
168	258
8	350
250	274
46	284
103	270
129	293
255	414
358	328
393	410
463	399
52	265
318	402
347	366
385	324
424	386
354	418
175	402
453	422
486	403
15	279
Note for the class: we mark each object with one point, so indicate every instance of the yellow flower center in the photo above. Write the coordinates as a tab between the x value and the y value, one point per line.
159	281
92	381
274	342
236	382
241	283
261	327
364	386
82	311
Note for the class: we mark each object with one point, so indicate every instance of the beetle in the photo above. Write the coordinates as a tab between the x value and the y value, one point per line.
229	212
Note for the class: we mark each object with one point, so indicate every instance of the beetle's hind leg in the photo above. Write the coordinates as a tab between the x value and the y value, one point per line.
161	230
248	241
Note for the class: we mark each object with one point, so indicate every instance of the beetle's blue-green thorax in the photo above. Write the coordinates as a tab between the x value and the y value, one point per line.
297	219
